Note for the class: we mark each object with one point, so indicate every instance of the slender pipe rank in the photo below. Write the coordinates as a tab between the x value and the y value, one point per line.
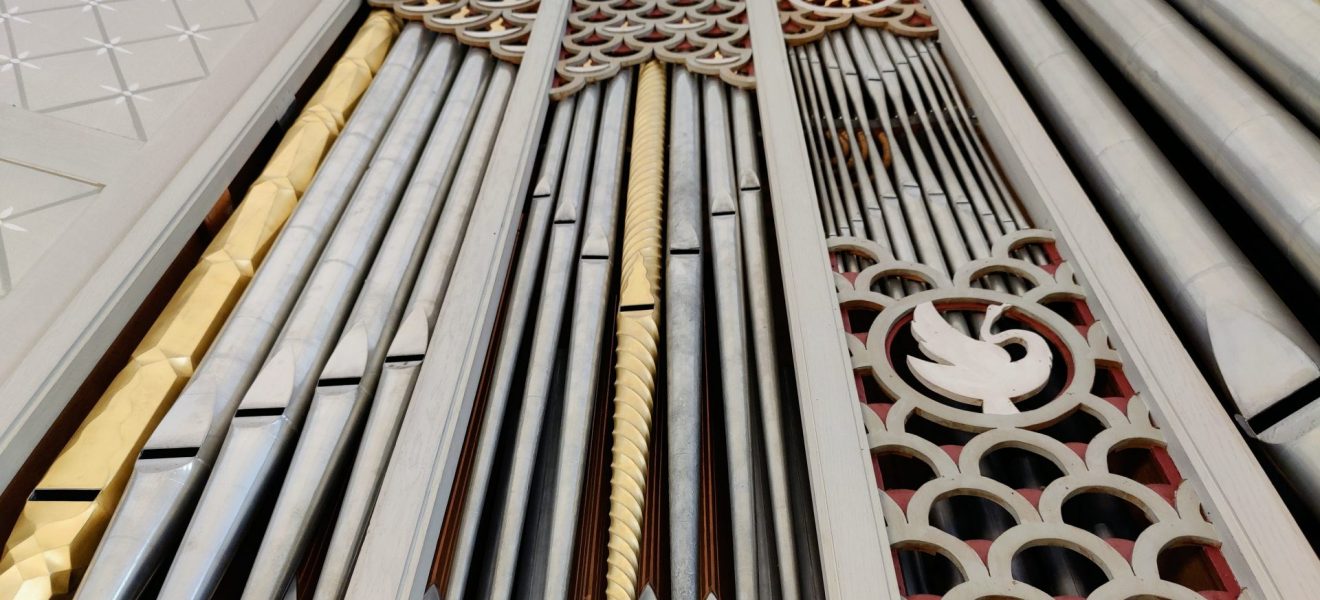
519	313
398	552
343	395
757	261
731	330
548	333
54	541
587	334
175	462
459	186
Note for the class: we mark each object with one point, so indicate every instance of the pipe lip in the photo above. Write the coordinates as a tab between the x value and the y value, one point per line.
1295	425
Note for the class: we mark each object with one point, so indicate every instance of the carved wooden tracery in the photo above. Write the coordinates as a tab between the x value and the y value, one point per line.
1088	424
707	36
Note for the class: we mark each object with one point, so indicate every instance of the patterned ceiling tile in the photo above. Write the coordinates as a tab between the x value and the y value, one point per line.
38	207
218	14
50	31
121	66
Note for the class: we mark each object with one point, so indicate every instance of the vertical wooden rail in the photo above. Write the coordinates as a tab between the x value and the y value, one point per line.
854	548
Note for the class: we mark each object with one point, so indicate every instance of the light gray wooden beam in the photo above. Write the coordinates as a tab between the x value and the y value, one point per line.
854	547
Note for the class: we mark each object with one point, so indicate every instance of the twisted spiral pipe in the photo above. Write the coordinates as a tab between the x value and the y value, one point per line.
638	336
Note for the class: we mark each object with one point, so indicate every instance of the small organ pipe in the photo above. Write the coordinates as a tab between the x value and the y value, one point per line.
552	311
520	310
684	287
731	331
347	383
588	330
458	182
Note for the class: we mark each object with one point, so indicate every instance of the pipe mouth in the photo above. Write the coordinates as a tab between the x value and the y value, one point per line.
1289	414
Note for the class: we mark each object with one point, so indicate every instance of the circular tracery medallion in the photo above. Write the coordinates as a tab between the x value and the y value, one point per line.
979	359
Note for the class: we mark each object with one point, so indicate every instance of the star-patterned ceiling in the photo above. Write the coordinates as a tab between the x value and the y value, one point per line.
119	66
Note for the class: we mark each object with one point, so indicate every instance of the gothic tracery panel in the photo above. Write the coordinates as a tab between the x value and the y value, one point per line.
1013	455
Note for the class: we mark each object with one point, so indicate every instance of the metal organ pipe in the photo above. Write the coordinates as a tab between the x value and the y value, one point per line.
347	383
518	318
684	279
1279	39
1261	353
757	258
456	180
591	299
1259	150
727	270
272	413
173	467
552	313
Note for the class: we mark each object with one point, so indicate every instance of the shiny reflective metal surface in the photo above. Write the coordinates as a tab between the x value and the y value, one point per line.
858	333
1258	150
1278	39
684	280
552	311
587	332
402	535
1261	353
347	381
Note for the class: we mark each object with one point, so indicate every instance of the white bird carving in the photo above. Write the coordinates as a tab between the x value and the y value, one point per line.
978	371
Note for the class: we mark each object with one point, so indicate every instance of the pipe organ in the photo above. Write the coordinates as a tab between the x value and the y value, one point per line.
673	299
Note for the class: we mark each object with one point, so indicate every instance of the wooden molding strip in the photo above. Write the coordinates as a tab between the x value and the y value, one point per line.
854	548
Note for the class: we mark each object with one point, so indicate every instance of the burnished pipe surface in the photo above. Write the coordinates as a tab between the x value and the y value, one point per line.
1262	354
1259	150
1279	39
259	440
169	475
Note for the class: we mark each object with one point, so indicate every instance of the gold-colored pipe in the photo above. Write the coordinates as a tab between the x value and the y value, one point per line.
64	518
638	333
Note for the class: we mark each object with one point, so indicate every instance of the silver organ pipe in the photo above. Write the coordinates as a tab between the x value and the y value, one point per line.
1261	353
1260	151
173	468
1276	38
343	395
597	299
273	410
